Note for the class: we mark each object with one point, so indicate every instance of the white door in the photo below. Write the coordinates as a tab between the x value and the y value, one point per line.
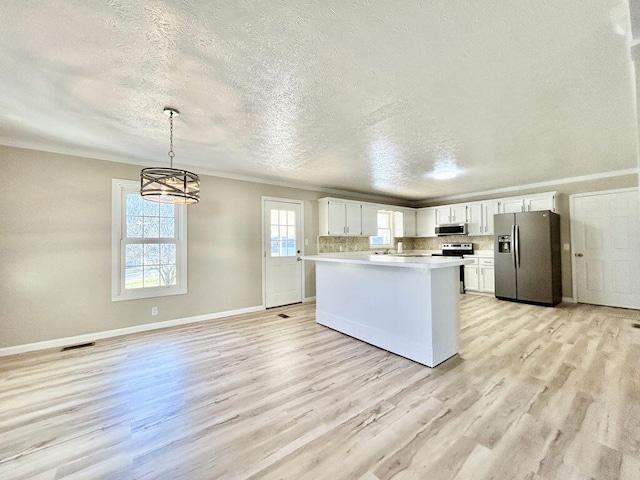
282	250
605	229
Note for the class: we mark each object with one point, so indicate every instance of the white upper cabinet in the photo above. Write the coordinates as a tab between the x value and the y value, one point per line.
529	203
426	222
409	215
369	221
474	219
335	218
489	209
340	217
512	205
536	203
404	223
451	214
354	219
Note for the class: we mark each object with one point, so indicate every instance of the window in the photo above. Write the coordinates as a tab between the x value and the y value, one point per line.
149	245
384	237
283	233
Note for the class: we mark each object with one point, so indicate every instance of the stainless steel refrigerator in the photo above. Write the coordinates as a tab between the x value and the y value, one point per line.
527	257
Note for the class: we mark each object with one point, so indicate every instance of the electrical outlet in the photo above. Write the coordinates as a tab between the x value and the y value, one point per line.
154	310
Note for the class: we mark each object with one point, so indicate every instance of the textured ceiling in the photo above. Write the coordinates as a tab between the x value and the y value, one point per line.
366	96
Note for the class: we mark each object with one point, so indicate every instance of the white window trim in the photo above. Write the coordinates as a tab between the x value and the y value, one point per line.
118	186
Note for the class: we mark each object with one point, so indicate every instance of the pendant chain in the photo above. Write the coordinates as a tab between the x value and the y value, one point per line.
171	154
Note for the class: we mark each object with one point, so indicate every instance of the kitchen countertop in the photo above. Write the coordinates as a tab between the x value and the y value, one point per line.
389	260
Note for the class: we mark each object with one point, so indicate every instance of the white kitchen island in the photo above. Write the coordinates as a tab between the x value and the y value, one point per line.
406	305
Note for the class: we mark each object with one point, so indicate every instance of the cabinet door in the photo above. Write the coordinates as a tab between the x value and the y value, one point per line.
369	221
474	218
354	219
544	203
426	222
489	209
337	218
398	224
459	214
487	279
409	216
443	215
512	206
471	277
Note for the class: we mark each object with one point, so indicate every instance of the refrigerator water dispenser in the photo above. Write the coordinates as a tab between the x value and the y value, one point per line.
504	244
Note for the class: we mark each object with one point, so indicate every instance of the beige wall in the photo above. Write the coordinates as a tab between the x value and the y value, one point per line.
55	247
55	252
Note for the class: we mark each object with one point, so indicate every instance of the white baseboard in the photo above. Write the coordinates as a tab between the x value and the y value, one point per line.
568	300
92	337
309	299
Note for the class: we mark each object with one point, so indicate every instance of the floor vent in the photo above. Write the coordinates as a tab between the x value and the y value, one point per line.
635	325
80	345
283	315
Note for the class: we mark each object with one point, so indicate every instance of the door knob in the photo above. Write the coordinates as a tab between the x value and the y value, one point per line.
299	259
579	255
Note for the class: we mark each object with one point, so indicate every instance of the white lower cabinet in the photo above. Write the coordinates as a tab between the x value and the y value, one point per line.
479	276
471	278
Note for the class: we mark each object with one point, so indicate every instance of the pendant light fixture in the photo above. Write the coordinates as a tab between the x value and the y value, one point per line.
170	185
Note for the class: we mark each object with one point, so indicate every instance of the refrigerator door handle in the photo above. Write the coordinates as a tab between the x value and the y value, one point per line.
513	246
517	245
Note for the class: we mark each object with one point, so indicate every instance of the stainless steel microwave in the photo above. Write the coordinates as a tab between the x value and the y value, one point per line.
451	229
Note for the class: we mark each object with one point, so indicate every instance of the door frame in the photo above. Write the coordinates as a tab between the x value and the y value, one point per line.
572	229
263	249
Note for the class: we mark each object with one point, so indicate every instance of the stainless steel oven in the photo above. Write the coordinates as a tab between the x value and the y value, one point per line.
456	250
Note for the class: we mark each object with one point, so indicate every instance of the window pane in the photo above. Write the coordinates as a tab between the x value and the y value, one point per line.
283	217
133	277
168	253
291	220
151	254
383	220
134	204
291	248
151	227
291	233
167	210
274	248
377	240
134	227
133	255
151	277
167	228
167	275
274	217
151	209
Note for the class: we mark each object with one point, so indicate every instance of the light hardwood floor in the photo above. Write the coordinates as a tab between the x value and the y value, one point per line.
536	393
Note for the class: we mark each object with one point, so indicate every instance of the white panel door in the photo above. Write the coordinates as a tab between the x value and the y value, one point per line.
606	241
282	250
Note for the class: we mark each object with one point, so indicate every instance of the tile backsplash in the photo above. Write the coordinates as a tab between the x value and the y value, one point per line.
361	244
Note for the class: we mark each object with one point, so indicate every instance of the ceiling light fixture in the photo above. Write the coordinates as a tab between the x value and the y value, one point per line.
444	175
170	185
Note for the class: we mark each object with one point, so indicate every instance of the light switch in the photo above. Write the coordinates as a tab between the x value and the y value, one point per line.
567	247
306	241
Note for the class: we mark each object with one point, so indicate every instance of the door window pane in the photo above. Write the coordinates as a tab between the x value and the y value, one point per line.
283	233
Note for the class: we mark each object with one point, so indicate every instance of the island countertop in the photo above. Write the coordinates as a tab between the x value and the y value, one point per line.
390	260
